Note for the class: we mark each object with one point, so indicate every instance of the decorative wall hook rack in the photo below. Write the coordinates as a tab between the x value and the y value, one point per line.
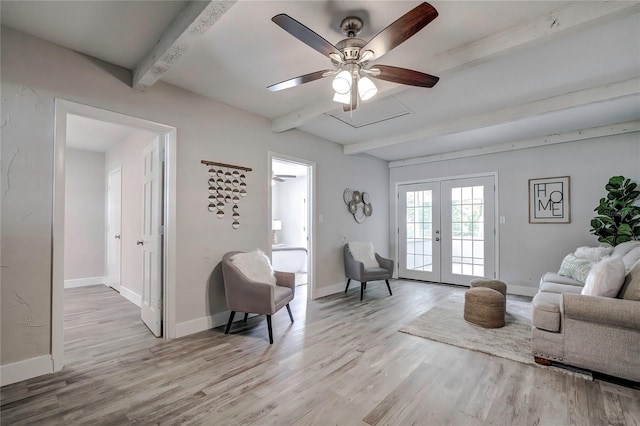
227	184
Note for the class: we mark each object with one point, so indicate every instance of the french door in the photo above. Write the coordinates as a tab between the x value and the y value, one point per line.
447	230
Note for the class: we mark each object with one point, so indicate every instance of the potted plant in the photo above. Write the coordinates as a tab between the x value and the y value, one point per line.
618	218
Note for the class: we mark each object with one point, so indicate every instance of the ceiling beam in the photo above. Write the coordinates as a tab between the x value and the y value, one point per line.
192	22
576	135
552	25
577	98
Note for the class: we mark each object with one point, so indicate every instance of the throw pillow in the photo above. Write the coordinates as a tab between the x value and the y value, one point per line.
631	258
255	265
575	268
363	251
593	253
631	288
605	279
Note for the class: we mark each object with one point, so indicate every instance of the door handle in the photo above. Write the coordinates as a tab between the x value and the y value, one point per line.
139	243
117	237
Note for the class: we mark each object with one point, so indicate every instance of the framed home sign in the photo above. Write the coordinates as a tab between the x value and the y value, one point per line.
549	200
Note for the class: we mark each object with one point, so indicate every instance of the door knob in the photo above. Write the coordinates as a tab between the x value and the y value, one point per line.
117	237
139	243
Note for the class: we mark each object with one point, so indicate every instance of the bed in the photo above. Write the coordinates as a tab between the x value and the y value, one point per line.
288	258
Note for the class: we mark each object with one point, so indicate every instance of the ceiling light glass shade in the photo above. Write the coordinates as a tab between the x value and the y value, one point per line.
343	98
342	82
366	88
366	55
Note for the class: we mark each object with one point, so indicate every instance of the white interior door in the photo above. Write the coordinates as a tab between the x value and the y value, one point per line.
468	228
447	230
114	221
151	241
419	232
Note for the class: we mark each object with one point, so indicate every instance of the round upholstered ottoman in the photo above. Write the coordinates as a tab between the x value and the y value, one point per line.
484	307
494	284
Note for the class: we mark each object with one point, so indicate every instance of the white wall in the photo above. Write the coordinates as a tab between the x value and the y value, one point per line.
290	200
84	217
35	72
529	250
128	154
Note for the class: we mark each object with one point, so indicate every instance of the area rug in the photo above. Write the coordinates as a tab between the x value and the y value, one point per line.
446	324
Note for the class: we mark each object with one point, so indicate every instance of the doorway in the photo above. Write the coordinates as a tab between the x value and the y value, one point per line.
163	222
447	230
291	200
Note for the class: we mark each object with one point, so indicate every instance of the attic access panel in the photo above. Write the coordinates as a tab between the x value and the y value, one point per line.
374	112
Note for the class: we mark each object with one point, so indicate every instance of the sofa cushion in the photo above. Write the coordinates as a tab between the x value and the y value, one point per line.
552	287
631	287
575	268
606	278
621	249
631	258
552	277
546	311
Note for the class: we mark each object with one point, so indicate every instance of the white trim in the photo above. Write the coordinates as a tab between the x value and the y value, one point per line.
131	296
521	290
335	288
83	282
25	369
113	284
200	324
62	109
311	215
576	135
441	179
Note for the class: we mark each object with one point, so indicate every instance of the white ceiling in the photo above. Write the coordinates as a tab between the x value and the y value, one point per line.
500	98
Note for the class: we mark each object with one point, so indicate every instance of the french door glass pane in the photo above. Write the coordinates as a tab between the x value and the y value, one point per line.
467	230
419	227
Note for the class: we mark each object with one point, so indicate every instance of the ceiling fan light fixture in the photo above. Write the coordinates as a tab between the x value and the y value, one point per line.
342	82
365	56
366	88
343	98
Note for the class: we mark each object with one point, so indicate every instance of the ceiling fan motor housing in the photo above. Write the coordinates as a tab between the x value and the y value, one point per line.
350	48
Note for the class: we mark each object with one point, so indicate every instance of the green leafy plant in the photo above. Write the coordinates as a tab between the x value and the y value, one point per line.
618	218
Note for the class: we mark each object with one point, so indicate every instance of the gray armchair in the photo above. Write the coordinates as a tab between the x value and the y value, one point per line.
355	270
248	296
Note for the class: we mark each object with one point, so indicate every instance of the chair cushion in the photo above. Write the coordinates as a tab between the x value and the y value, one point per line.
546	311
255	265
377	273
363	251
281	293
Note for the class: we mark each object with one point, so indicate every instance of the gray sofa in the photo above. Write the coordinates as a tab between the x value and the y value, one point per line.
595	333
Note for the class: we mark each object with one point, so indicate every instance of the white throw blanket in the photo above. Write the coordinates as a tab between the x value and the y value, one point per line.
363	251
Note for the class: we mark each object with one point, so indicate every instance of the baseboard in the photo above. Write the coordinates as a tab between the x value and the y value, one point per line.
203	323
131	296
334	288
83	282
25	369
520	290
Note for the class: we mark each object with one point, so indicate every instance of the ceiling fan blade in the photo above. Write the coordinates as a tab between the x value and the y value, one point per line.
296	81
285	176
402	29
404	76
305	35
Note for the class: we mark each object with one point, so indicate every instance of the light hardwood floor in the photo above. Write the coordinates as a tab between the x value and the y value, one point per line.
342	362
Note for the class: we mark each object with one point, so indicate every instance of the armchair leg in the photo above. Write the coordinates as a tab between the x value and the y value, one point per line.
233	313
348	281
363	286
246	315
389	287
289	310
270	331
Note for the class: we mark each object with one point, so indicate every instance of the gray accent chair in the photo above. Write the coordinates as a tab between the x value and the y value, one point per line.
248	296
355	270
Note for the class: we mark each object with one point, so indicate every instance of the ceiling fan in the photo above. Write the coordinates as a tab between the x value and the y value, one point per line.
282	178
351	56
